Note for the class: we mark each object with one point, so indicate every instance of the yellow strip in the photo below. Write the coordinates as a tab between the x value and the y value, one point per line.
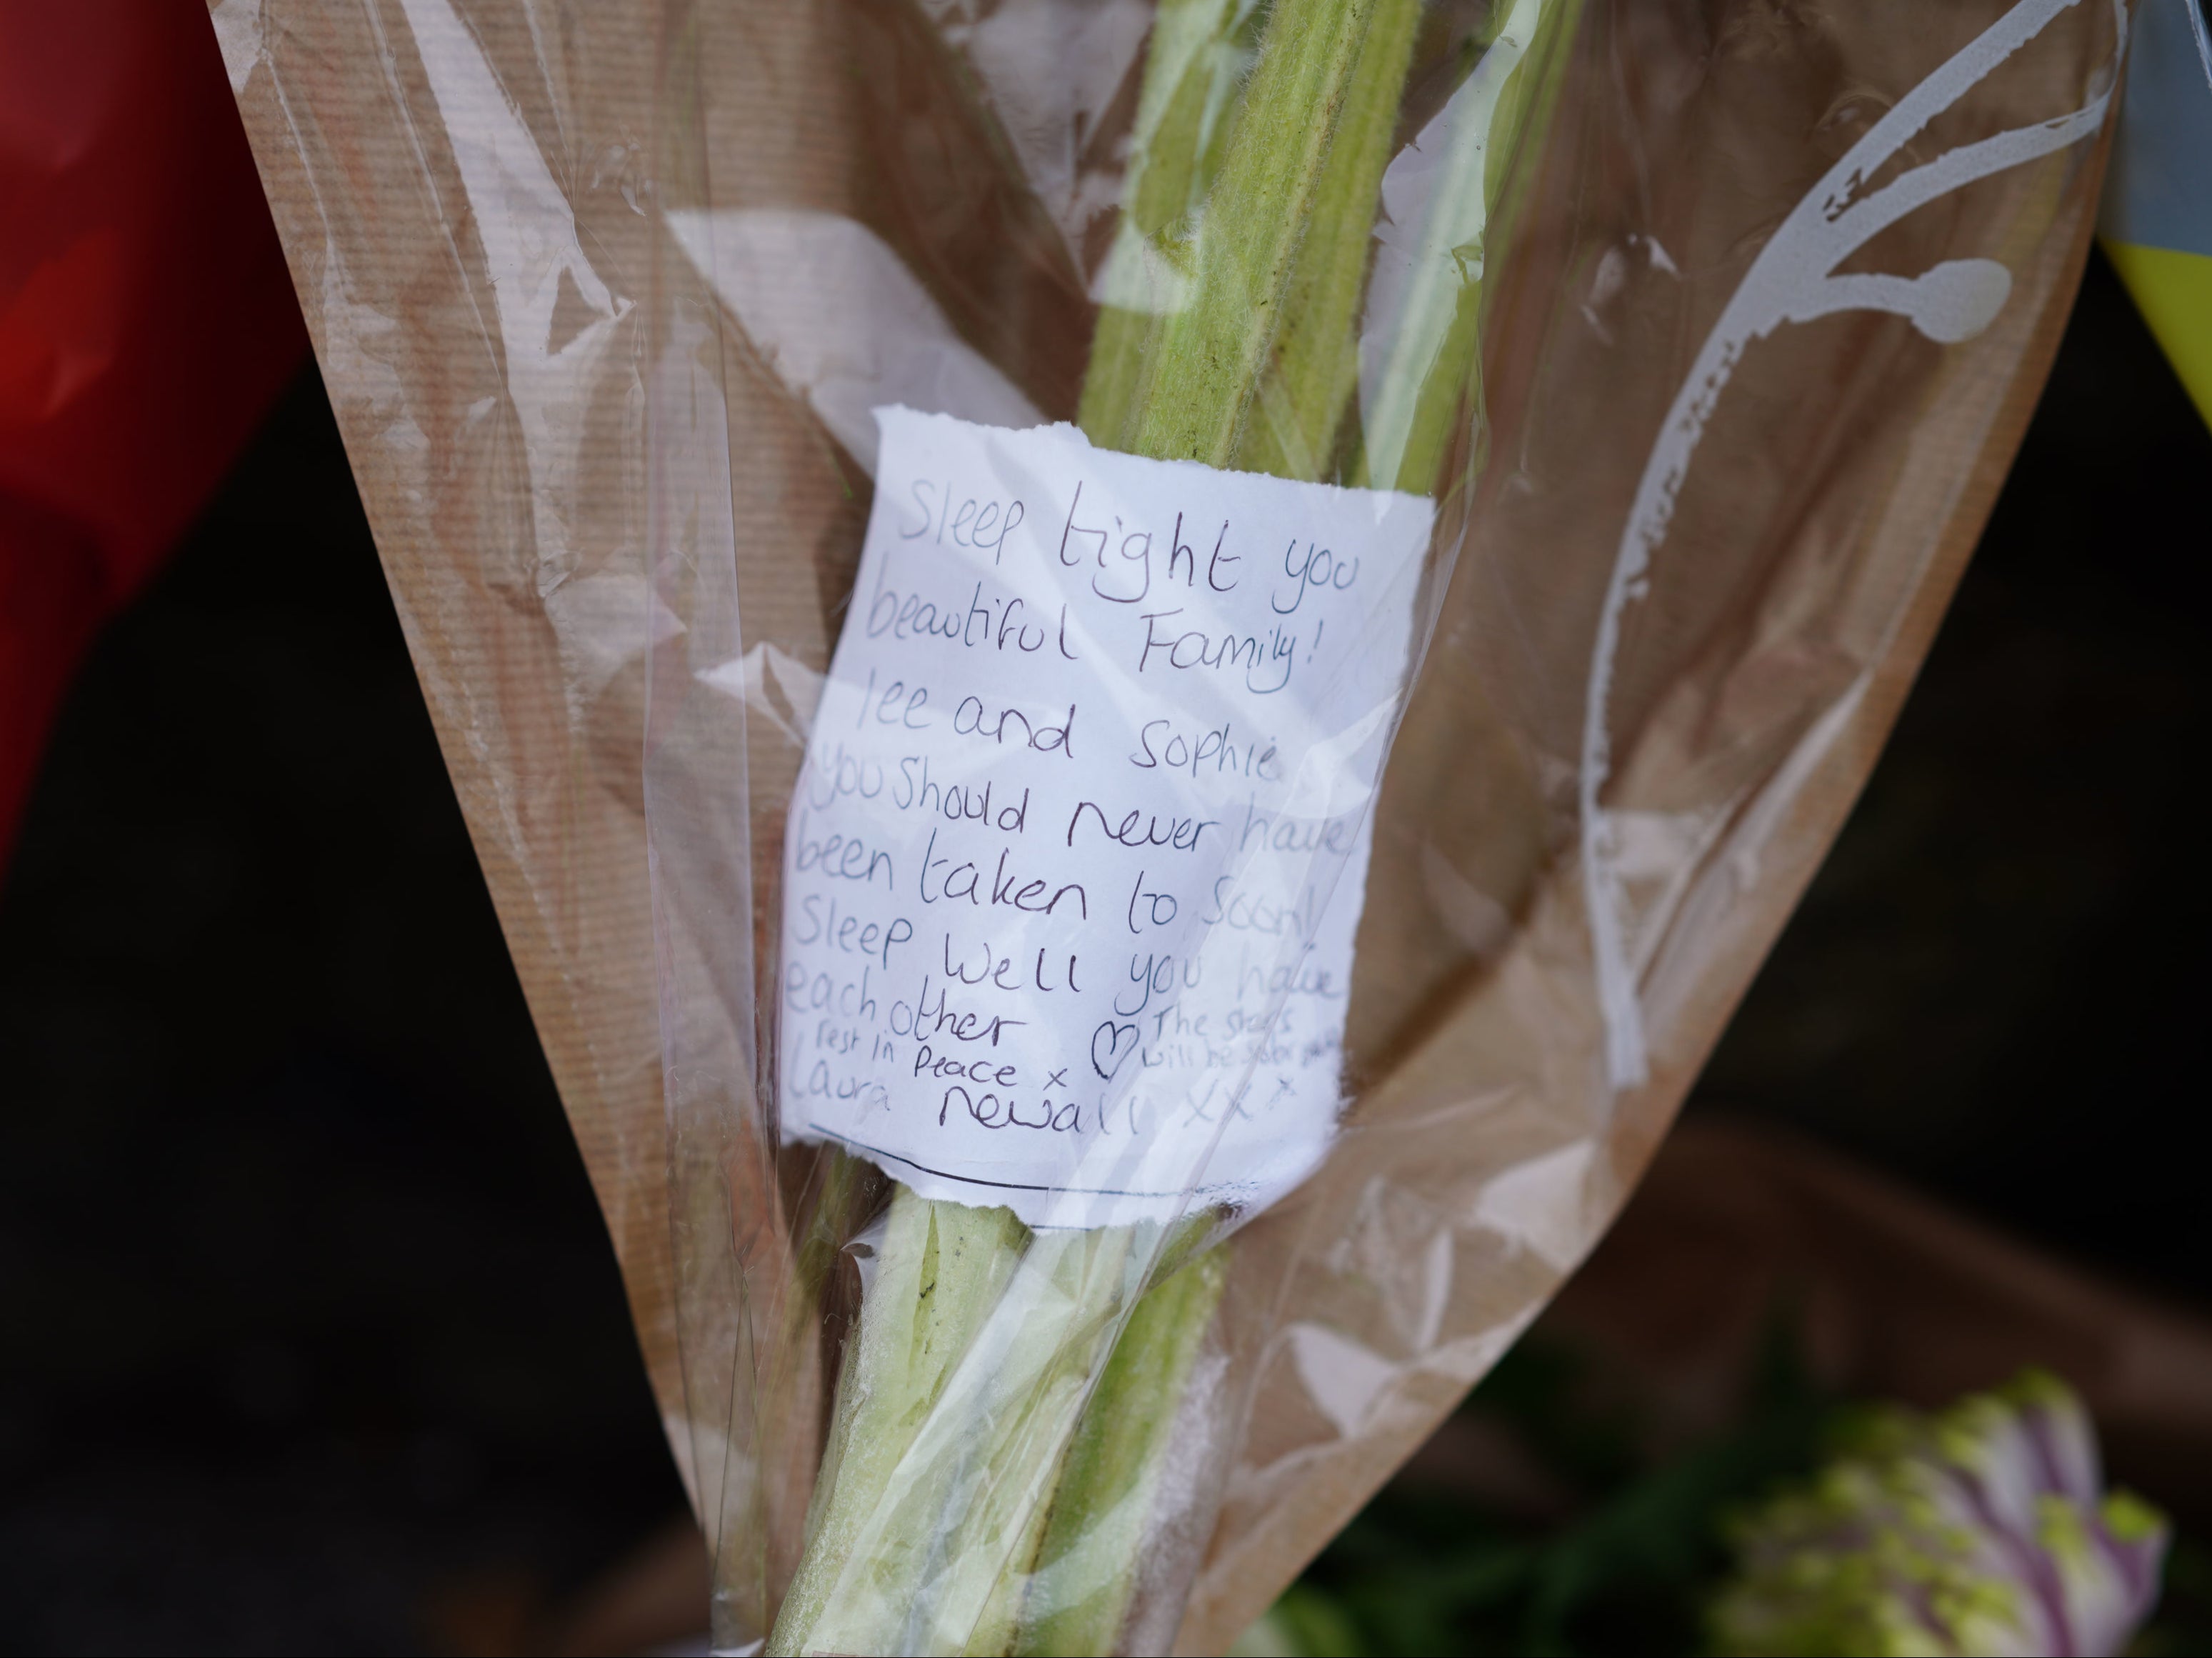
2173	291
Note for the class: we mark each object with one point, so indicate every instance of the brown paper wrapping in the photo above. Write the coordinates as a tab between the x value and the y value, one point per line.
469	192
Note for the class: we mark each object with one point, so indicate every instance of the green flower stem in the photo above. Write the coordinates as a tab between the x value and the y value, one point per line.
1427	354
940	1271
1149	382
1301	399
1082	1581
1079	1591
1083	1578
1171	375
1208	360
985	1470
1185	109
945	1451
977	1493
1279	253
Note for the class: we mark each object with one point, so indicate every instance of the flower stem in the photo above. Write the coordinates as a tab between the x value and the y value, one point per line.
940	1271
1078	1593
977	1492
1300	401
1211	351
1199	52
1425	356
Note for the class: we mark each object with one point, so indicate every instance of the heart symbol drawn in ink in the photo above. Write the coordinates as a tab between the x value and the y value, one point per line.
1120	1041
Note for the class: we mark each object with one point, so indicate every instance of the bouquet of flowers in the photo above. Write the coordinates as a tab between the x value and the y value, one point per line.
1245	617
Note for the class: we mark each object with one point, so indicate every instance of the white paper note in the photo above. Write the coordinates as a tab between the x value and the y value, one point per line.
1078	852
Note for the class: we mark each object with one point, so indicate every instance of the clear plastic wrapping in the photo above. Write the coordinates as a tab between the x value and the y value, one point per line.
1696	338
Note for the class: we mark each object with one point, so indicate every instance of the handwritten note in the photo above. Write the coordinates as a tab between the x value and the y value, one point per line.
1078	852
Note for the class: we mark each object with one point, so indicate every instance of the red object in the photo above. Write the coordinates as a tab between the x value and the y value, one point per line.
146	323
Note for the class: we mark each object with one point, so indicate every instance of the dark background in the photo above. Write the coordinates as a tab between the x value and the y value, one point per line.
312	1338
1998	986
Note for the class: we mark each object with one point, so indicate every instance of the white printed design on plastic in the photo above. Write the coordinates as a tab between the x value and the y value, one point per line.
1794	280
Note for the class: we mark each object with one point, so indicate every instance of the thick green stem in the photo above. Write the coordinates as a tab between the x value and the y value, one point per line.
1300	404
977	1493
1210	352
1079	1591
940	1271
1280	254
1185	111
1425	352
941	1473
